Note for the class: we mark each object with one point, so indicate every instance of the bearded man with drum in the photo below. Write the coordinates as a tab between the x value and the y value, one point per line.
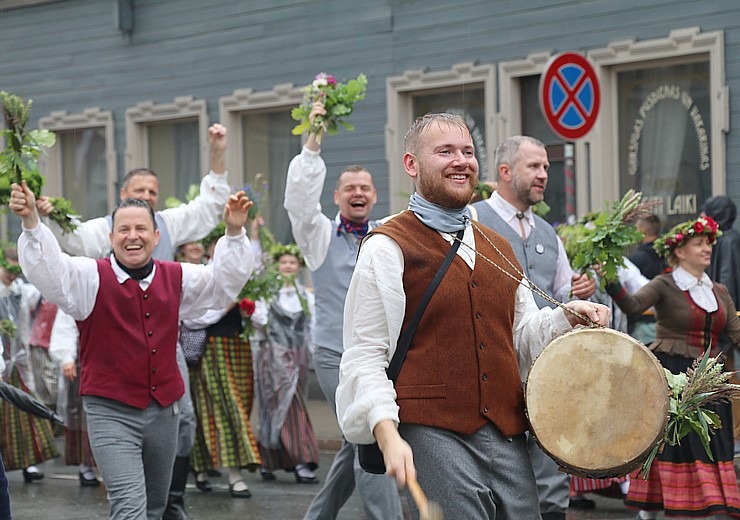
522	166
455	417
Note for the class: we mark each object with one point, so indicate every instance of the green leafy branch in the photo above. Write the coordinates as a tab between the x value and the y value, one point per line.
704	382
8	328
601	238
19	160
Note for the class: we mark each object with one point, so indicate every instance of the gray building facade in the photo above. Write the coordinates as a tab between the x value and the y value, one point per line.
129	83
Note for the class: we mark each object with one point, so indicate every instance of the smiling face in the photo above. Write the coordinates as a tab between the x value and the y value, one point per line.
524	180
143	187
443	165
355	195
133	236
695	255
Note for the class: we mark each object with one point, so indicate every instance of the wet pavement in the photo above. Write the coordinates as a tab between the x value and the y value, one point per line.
60	497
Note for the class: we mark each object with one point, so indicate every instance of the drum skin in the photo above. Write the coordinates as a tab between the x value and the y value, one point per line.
597	402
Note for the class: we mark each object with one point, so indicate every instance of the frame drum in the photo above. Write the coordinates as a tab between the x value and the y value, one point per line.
597	402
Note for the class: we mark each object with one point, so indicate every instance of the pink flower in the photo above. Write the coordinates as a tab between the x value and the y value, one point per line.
698	226
678	237
331	80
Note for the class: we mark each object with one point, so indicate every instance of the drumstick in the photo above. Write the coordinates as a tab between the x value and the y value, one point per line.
428	509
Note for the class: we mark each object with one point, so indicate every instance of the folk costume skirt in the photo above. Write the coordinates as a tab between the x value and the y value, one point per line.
286	436
222	387
682	480
25	439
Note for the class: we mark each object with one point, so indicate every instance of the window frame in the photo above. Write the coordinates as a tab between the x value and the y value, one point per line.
233	107
400	91
594	151
145	113
50	164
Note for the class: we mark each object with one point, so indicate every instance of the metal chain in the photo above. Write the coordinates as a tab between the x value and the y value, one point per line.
530	284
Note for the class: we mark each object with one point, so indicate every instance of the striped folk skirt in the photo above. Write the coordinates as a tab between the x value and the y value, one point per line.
25	439
222	388
682	480
297	440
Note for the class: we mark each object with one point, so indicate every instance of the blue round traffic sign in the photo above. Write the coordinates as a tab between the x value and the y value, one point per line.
570	95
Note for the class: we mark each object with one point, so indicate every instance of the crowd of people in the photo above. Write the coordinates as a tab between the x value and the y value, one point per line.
454	418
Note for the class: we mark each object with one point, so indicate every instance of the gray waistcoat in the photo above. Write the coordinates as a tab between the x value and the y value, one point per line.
538	255
164	250
331	282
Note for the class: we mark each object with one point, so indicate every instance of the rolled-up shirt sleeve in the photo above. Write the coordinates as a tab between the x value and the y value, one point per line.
534	328
216	285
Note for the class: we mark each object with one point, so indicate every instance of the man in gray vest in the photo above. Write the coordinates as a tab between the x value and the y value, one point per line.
522	164
330	249
177	226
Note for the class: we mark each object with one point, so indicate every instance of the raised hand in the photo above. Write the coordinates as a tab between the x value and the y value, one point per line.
23	203
236	212
217	145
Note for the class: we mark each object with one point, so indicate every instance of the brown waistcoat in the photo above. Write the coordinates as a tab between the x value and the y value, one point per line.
461	368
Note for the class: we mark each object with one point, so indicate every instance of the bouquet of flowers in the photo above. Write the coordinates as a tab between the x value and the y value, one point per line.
19	159
704	382
600	238
338	99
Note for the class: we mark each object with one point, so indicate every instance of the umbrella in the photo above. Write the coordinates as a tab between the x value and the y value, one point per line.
27	403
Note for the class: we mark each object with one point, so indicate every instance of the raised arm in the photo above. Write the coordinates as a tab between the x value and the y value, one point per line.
306	176
71	283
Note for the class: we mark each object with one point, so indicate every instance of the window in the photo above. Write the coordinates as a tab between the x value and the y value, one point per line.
261	146
81	166
667	115
467	89
171	140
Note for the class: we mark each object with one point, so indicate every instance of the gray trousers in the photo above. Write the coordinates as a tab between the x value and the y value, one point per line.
379	494
186	426
484	476
553	485
134	450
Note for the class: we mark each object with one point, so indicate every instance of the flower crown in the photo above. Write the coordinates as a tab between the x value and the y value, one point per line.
277	250
680	233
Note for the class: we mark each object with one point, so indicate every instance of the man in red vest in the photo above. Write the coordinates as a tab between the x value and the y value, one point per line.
128	308
455	416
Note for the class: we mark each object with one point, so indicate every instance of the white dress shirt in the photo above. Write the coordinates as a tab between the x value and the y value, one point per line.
373	316
73	282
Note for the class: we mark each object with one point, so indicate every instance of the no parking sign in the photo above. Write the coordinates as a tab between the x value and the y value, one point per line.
570	95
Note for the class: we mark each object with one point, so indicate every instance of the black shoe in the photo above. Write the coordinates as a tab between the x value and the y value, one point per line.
203	485
244	493
553	516
30	477
266	474
581	503
88	482
306	480
213	473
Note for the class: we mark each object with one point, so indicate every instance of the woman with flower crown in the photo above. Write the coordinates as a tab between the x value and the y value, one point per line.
691	310
280	346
